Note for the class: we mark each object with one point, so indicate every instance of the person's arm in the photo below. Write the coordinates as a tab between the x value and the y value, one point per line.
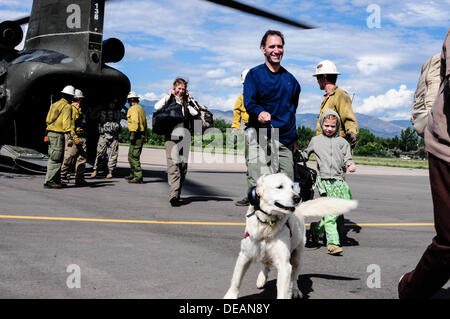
348	118
310	149
237	113
161	102
446	56
348	159
251	105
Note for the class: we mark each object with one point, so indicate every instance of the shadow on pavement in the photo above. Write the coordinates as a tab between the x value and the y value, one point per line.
304	283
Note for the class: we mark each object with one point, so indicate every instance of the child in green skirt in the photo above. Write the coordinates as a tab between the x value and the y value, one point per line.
334	158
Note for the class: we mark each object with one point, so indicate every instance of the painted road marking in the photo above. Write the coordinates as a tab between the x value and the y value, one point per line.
137	221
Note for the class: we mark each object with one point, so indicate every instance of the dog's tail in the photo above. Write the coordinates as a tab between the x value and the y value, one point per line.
324	206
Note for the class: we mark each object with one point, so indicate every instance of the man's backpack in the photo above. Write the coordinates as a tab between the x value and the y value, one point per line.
165	119
305	176
426	93
204	115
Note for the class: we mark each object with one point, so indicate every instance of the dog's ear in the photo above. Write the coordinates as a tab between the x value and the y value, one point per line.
253	197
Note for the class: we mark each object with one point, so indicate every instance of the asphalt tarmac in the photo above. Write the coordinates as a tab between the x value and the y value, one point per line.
117	240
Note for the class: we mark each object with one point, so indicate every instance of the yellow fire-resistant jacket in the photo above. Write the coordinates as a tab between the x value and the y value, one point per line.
75	127
59	116
137	121
339	101
239	112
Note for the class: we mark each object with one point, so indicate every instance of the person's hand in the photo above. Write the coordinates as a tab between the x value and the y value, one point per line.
295	149
351	168
352	138
264	117
132	138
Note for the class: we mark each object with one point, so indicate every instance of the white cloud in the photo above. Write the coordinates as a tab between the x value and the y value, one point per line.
215	73
152	96
210	45
423	13
310	102
371	64
391	100
232	82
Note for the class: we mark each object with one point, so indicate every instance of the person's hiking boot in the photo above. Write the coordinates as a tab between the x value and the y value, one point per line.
129	178
94	174
243	202
174	202
334	250
135	181
81	183
109	175
313	233
53	185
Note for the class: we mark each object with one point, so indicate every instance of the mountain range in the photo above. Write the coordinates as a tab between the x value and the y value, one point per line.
375	125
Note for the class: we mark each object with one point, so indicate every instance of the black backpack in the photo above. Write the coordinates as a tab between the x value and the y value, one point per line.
166	118
305	176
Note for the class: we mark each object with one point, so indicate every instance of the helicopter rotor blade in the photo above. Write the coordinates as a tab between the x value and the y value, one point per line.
258	12
23	20
230	4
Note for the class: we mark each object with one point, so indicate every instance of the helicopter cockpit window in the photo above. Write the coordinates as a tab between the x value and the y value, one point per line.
43	56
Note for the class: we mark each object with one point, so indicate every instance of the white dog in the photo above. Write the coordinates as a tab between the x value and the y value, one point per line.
275	233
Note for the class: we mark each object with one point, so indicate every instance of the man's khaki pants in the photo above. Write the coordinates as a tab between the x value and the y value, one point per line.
266	155
74	155
108	146
177	155
55	157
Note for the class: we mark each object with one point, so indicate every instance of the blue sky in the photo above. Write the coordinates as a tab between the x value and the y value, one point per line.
210	45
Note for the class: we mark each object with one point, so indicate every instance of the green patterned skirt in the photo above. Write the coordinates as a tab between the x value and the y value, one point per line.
333	188
328	224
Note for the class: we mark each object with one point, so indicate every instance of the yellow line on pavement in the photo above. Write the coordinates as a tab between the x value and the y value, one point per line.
137	221
130	221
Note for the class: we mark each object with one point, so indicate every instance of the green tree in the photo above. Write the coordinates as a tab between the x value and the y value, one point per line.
154	139
221	125
305	134
370	148
408	140
365	136
124	135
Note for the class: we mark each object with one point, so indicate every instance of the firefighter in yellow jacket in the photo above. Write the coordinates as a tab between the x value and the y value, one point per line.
337	100
58	126
137	126
240	114
239	111
75	151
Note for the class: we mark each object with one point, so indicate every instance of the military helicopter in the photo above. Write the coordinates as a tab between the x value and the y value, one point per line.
63	46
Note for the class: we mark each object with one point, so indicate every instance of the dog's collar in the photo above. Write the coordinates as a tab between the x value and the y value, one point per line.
270	222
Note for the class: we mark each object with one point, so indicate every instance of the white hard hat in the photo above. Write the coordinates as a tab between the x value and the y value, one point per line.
243	75
132	95
78	94
326	67
69	89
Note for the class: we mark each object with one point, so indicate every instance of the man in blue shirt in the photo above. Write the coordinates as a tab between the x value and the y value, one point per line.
271	97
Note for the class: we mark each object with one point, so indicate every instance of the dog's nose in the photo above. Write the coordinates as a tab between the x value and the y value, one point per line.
297	199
